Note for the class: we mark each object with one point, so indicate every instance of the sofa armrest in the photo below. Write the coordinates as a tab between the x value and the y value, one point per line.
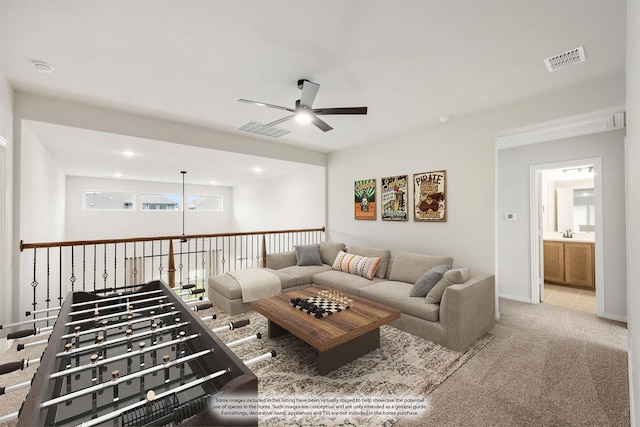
280	260
467	311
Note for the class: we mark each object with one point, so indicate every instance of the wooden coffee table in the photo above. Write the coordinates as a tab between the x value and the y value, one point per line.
340	337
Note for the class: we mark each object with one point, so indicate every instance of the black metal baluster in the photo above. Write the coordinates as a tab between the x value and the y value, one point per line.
34	283
72	279
48	300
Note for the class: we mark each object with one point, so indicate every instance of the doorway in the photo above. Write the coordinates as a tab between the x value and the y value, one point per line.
566	212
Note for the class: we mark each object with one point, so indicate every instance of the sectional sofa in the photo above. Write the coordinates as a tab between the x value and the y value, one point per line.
458	308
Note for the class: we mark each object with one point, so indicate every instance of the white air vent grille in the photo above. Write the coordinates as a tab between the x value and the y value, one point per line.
571	57
258	128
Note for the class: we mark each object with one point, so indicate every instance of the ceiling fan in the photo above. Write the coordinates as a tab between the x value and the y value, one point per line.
304	112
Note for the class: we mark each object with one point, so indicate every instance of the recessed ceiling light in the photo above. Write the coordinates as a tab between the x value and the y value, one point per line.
257	169
444	119
212	182
128	153
43	67
117	174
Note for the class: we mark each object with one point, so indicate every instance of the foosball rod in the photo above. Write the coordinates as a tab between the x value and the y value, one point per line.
231	326
113	414
123	356
102	300
119	340
78	304
26	322
244	340
10	388
257	359
116	413
118	313
128	303
124	378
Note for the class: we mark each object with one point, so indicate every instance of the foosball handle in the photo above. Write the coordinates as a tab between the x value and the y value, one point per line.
198	291
20	347
204	306
1	391
188	286
11	366
22	333
273	353
239	324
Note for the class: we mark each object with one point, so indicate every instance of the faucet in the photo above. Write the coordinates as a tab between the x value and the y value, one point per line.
568	234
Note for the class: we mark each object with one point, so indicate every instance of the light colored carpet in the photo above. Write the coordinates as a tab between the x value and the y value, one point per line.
546	366
405	368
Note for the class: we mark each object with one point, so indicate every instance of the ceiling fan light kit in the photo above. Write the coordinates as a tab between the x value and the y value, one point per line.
304	111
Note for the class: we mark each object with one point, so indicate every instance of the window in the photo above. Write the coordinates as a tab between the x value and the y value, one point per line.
161	202
108	200
205	203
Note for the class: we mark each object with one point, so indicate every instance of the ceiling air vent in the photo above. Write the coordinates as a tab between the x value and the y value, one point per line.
258	128
571	57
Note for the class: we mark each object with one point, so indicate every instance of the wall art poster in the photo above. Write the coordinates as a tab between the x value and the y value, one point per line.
365	199
393	196
429	196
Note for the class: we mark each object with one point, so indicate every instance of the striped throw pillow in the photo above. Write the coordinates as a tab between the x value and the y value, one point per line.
356	264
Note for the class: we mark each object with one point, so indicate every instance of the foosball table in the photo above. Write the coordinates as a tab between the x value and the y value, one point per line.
131	359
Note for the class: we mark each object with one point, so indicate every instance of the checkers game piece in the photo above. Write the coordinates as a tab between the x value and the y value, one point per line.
319	306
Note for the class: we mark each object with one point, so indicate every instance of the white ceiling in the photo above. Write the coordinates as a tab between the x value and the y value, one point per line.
410	62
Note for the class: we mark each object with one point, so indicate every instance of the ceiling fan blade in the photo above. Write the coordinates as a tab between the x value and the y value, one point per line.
323	126
346	110
262	104
277	122
309	92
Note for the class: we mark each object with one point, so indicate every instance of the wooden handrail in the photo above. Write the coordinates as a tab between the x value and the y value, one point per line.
24	245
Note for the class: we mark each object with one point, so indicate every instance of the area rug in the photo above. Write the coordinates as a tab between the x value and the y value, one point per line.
376	389
373	390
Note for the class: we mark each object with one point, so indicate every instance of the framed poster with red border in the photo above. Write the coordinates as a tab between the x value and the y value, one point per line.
430	196
365	199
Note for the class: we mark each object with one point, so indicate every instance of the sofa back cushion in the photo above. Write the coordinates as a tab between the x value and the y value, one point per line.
329	251
280	260
409	267
383	254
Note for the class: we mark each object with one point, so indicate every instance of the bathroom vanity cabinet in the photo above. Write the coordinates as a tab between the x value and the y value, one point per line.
569	263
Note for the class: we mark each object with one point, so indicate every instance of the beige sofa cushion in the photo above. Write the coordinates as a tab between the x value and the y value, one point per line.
451	277
304	274
280	260
396	294
343	282
329	251
383	254
409	267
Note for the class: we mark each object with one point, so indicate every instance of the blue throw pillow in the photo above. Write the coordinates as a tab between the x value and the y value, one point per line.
428	280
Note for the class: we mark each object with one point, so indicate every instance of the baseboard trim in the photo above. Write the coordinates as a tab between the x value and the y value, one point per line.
515	298
615	317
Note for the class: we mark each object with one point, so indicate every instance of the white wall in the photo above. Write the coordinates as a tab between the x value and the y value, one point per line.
514	237
290	202
42	194
6	231
465	148
633	202
87	224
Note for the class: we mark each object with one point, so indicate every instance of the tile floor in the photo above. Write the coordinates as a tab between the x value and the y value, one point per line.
564	296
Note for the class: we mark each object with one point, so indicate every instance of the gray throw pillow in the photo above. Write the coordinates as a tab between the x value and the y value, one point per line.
308	255
428	280
451	277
